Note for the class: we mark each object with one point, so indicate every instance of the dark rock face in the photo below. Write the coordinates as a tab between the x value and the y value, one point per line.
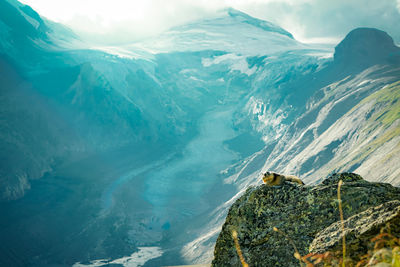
301	212
364	47
359	230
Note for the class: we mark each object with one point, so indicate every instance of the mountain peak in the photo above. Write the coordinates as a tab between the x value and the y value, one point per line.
228	30
364	47
263	24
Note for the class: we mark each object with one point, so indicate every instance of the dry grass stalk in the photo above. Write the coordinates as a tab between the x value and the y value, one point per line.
239	251
342	222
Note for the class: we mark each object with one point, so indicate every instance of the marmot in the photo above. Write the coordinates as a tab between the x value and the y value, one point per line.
273	178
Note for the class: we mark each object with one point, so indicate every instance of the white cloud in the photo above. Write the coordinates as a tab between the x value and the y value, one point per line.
122	20
128	20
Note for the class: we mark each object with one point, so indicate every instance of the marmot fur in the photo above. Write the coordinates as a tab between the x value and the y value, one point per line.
273	178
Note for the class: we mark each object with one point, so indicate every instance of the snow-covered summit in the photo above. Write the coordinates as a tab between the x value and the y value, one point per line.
231	31
265	25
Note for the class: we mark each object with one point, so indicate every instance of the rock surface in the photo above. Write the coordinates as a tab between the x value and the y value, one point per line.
355	51
359	230
301	212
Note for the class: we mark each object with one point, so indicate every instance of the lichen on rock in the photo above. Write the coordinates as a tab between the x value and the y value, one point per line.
359	230
301	212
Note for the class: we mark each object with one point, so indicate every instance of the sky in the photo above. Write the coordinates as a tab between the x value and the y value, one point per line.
125	21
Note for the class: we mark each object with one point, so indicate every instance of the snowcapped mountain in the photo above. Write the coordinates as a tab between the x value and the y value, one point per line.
229	31
141	149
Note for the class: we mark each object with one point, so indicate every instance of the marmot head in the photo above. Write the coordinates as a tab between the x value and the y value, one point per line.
267	177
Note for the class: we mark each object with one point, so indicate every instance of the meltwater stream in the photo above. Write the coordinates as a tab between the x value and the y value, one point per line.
176	190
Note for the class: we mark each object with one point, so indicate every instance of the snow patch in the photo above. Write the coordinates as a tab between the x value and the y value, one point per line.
363	82
321	55
124	53
207	62
266	119
135	260
31	20
236	62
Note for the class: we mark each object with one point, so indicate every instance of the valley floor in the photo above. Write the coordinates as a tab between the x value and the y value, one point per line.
106	206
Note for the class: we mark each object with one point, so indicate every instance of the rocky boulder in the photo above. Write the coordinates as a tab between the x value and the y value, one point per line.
359	230
299	212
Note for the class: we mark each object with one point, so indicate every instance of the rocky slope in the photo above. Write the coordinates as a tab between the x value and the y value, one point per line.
350	123
301	212
341	116
51	108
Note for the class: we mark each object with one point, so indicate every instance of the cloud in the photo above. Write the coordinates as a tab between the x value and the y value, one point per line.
121	21
316	19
